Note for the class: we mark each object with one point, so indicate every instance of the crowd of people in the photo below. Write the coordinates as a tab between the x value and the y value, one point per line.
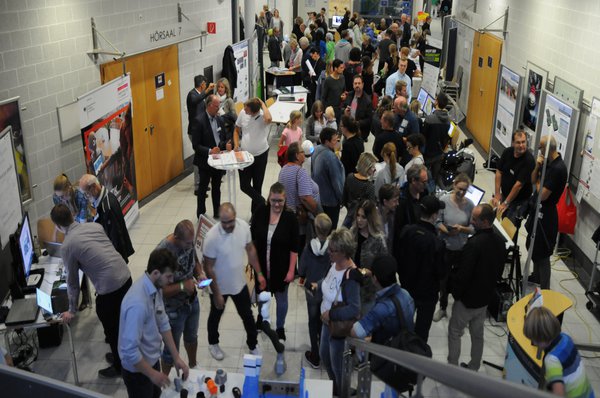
398	241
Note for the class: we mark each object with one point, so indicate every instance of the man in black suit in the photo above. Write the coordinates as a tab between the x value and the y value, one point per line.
310	80
195	103
359	105
208	137
405	31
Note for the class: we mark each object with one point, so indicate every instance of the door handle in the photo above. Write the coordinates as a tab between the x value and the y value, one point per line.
151	129
481	92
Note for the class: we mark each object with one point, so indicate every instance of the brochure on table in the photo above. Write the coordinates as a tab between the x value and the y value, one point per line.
507	109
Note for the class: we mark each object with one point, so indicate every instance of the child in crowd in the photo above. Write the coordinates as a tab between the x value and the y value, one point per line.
564	371
330	116
312	268
292	131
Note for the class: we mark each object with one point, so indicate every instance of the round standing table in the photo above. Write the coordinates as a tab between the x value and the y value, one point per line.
230	170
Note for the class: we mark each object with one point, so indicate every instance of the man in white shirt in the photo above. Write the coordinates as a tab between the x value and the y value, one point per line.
224	250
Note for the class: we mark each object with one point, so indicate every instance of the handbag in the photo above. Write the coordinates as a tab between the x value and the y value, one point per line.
282	155
567	212
340	328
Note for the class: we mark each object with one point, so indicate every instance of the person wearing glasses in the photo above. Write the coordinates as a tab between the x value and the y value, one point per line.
414	143
454	224
180	296
274	232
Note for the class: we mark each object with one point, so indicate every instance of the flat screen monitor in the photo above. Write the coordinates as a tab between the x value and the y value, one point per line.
336	20
428	106
422	97
475	194
26	245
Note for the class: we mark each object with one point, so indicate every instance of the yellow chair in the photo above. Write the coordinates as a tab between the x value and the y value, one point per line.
509	227
270	101
238	107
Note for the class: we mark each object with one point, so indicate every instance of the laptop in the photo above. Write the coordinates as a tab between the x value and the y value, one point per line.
22	311
475	194
54	304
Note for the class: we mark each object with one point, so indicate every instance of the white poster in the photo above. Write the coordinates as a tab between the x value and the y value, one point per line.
106	119
591	128
430	79
556	121
10	212
507	106
240	52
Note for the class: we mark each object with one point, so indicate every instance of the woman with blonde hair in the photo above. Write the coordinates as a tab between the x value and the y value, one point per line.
73	198
358	186
392	173
292	131
368	231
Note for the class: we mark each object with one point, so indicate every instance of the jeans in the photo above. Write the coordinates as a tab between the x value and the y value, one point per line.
184	321
332	350
334	214
108	309
461	318
314	323
214	177
425	309
139	385
281	301
451	258
242	305
252	177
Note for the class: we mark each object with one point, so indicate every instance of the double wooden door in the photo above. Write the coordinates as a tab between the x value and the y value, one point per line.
157	138
485	67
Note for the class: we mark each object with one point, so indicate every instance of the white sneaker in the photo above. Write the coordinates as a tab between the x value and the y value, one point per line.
439	315
255	351
216	352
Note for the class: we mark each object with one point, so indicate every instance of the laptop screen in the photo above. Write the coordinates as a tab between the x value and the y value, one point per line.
44	300
475	194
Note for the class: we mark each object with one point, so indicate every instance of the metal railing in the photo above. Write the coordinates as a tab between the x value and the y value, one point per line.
461	379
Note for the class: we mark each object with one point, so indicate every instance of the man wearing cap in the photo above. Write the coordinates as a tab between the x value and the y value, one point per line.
421	263
472	284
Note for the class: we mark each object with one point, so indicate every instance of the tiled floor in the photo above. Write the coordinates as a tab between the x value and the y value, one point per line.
159	217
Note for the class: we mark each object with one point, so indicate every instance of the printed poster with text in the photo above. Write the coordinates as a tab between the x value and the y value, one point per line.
556	121
507	106
105	117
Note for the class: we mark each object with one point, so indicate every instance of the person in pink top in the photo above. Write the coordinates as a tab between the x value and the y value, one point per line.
292	131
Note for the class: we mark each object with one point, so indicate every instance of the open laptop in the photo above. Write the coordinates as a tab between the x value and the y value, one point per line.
22	311
475	194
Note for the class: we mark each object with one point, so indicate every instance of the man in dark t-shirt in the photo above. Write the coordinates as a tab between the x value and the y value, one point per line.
547	229
513	179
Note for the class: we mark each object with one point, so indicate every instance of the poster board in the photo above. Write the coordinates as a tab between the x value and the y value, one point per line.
204	225
11	211
68	121
240	53
588	188
430	79
561	120
336	7
106	122
10	116
506	116
535	82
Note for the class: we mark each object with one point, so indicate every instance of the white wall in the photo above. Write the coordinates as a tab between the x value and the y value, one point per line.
560	36
43	60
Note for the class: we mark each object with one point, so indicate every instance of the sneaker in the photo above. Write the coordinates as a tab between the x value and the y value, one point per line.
109	357
109	373
439	314
216	352
280	333
313	361
255	351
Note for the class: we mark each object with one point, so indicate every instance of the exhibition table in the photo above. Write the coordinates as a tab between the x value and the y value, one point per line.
230	162
523	361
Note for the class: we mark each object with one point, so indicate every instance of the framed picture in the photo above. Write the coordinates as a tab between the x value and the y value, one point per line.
535	82
10	116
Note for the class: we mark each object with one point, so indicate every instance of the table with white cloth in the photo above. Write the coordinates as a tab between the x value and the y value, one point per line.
230	162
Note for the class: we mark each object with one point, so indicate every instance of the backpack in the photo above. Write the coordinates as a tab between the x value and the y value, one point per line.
397	377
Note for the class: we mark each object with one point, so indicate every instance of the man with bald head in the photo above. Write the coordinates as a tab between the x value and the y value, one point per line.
550	190
108	214
180	297
226	246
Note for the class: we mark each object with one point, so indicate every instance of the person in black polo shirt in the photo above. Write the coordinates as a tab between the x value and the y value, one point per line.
513	179
547	229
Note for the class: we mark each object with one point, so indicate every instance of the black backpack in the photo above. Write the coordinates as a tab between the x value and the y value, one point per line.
397	377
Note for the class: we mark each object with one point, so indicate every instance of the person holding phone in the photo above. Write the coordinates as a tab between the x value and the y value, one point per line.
181	299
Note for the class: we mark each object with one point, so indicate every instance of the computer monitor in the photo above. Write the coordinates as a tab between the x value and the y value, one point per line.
336	20
26	245
429	105
422	97
475	194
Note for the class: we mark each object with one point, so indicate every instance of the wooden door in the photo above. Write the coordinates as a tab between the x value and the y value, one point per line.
158	151
485	67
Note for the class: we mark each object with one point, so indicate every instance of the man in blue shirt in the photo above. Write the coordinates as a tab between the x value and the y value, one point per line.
400	74
144	325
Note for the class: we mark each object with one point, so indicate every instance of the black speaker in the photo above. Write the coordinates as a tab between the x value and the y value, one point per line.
50	336
501	302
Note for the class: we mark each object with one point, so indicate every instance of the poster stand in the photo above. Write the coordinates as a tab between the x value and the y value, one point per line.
506	114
